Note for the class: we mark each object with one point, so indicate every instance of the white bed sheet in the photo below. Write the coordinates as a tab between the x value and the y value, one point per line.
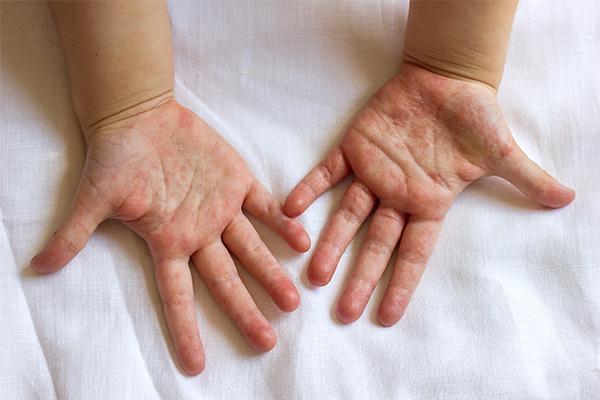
508	306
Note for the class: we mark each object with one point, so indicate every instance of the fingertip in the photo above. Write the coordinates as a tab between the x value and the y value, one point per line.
269	343
285	295
292	301
262	338
318	273
347	312
571	194
536	183
295	204
303	244
354	299
393	305
36	264
193	360
65	243
295	235
45	263
195	369
317	277
560	197
332	169
388	317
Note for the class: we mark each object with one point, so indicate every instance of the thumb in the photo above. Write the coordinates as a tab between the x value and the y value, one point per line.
533	181
87	211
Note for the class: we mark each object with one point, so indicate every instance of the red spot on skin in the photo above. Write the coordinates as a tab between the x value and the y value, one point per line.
186	119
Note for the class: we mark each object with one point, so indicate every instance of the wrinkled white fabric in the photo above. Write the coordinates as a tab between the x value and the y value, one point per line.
508	306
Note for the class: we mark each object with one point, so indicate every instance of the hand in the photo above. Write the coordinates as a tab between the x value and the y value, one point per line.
171	178
419	141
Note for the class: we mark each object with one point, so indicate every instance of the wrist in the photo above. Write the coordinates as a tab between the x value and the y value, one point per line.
111	94
462	73
140	106
119	57
460	39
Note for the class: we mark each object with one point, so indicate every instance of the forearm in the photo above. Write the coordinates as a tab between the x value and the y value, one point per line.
119	57
461	39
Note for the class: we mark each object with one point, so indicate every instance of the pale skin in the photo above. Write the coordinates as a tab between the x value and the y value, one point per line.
421	139
161	170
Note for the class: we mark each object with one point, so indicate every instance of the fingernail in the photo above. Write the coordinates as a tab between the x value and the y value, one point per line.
33	262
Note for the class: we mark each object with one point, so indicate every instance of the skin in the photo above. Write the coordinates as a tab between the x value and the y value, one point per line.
419	141
462	39
163	172
177	183
118	56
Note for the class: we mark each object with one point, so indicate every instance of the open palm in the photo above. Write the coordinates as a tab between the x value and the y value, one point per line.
419	141
177	183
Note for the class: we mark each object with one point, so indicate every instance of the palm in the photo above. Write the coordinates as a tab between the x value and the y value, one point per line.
172	179
176	188
419	141
431	135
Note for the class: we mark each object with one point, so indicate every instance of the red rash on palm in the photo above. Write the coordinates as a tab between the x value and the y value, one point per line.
419	141
171	178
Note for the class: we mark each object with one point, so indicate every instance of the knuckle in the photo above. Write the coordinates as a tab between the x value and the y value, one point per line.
325	173
377	246
330	249
362	286
226	283
178	301
357	203
69	244
287	224
248	317
253	246
273	276
363	193
389	215
266	205
411	258
349	214
354	209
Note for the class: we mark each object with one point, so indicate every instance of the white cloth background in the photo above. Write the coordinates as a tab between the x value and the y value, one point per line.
507	308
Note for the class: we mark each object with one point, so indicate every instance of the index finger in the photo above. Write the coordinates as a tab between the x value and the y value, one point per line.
321	178
261	203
